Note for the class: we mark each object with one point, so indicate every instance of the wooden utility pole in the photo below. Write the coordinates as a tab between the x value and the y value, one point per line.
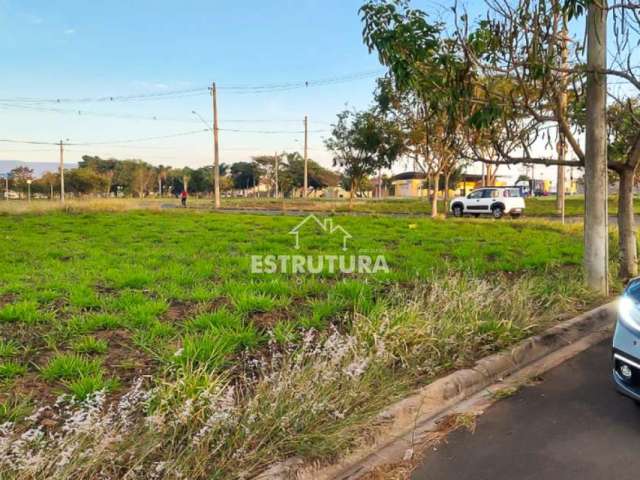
275	160
216	152
61	172
596	258
306	157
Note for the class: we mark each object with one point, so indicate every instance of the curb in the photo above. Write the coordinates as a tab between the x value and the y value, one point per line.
433	400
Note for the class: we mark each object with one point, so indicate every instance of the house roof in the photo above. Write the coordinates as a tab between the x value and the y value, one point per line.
409	176
474	177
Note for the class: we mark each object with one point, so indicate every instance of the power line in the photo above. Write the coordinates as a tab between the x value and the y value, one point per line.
128	116
233	130
174	94
160	137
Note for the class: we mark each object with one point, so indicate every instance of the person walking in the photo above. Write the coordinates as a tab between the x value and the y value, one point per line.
183	198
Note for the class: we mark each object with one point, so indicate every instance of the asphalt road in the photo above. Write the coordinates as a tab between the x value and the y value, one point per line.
572	425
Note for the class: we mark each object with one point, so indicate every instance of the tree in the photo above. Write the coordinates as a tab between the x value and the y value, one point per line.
143	177
293	172
623	158
267	165
47	183
107	168
85	181
162	173
421	90
245	174
526	44
20	176
363	143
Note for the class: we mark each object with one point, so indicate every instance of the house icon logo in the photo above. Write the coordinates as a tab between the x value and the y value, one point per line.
326	226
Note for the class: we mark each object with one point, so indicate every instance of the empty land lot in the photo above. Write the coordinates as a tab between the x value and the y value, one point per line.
159	310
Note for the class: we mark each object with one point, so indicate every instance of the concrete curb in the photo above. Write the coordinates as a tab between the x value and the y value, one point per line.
431	401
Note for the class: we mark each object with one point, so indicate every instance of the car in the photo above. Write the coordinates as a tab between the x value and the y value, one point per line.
497	201
626	342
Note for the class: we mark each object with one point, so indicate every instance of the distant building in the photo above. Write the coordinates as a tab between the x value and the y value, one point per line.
413	184
409	184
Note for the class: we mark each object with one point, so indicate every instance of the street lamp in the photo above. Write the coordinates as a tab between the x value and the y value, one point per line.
6	188
29	190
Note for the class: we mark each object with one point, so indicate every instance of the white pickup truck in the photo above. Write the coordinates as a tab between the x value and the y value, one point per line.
496	201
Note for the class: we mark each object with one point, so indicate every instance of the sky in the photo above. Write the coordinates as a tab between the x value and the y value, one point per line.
72	49
77	49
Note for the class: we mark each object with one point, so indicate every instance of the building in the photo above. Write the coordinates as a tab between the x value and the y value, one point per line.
409	184
413	184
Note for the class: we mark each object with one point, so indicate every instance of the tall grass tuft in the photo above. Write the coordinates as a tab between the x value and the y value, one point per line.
312	401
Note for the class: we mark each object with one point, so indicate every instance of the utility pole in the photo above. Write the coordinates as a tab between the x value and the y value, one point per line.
275	159
216	153
61	172
306	157
596	261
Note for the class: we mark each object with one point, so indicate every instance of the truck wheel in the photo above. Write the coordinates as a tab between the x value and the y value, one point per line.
457	211
497	212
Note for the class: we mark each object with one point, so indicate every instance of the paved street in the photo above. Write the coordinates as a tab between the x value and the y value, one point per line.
573	425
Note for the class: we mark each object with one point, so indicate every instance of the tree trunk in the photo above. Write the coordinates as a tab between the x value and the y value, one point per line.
434	200
595	168
447	178
353	187
626	227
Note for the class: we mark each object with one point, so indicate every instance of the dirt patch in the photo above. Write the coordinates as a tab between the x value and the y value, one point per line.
124	360
6	299
32	387
213	305
180	310
267	320
105	290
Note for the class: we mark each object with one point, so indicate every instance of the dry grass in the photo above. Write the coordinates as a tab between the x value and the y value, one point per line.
19	207
313	400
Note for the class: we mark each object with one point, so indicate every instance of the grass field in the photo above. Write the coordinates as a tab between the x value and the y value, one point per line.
229	371
535	207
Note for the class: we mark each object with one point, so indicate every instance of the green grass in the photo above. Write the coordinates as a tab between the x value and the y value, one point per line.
86	385
90	345
535	206
90	300
10	370
8	348
180	280
69	367
24	312
14	409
